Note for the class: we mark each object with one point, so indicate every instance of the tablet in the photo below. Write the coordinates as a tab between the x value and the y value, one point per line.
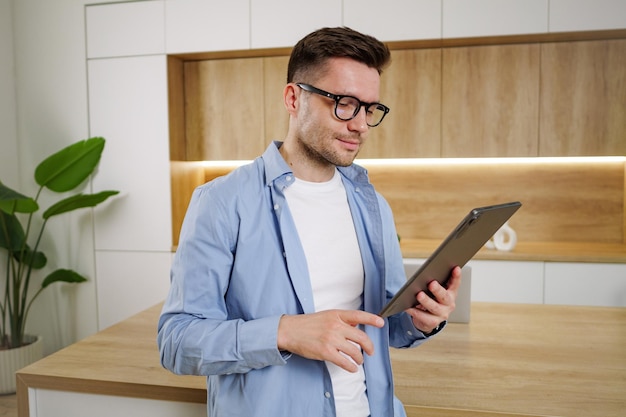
458	248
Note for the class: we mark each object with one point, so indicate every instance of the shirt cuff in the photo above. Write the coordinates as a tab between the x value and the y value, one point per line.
436	330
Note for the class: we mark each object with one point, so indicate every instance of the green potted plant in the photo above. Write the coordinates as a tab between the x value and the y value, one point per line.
20	236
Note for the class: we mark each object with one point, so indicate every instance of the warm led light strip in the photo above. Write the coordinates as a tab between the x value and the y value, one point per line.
453	161
218	164
486	161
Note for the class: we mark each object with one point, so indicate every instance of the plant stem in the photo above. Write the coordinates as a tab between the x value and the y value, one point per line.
26	306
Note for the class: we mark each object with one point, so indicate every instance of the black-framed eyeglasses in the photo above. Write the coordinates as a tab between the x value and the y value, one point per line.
347	107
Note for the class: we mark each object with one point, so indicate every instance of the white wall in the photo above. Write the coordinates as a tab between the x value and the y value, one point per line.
51	98
8	134
58	103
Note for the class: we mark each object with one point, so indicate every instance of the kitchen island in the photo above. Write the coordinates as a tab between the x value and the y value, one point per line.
510	360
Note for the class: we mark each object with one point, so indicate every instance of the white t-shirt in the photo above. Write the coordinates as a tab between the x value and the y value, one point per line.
326	230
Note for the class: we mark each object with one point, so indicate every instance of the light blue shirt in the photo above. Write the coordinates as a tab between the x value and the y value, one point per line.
239	266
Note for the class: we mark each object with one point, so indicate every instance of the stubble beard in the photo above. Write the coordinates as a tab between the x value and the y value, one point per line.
319	149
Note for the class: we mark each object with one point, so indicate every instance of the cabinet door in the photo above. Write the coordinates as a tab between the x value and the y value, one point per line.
281	23
462	18
201	26
591	284
583	98
224	109
128	107
490	101
507	281
412	19
125	29
276	118
52	403
568	15
144	276
411	88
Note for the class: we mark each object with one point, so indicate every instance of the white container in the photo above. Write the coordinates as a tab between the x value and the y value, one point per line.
12	360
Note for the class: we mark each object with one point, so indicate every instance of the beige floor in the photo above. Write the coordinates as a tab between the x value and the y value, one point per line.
8	406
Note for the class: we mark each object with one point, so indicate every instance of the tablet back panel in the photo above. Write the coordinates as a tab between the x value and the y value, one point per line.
457	249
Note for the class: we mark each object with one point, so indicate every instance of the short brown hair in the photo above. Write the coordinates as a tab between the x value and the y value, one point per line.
311	52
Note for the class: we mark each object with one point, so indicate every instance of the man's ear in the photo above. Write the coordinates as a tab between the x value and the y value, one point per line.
291	98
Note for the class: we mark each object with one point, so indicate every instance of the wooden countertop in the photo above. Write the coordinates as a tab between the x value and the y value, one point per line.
597	252
516	359
511	360
121	360
531	251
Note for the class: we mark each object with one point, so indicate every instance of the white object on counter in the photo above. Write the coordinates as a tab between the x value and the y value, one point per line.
504	239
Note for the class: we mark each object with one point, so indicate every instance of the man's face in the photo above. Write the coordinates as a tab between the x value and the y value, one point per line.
321	135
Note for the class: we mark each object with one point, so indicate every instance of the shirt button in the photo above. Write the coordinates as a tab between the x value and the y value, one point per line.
288	178
275	206
410	333
327	394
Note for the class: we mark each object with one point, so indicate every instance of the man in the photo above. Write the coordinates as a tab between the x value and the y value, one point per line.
283	264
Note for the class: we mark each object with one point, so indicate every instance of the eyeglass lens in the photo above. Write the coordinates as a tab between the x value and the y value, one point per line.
347	108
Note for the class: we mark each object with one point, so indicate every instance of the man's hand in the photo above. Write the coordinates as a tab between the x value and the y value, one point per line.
431	312
330	335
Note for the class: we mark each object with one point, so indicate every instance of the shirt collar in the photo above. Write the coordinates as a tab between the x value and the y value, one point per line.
274	163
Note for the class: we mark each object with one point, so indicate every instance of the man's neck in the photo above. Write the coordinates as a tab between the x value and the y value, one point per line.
305	168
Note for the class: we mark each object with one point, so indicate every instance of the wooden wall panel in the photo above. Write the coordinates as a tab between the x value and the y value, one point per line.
176	103
185	177
562	202
276	116
224	109
410	87
583	98
550	99
522	98
490	101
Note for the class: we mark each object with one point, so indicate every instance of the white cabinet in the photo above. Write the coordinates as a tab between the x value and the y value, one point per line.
574	15
48	403
565	283
462	18
395	20
507	281
281	23
181	26
130	282
125	29
201	26
591	284
128	107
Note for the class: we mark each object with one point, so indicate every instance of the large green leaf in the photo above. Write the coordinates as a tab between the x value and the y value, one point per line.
38	259
11	232
62	275
76	202
11	201
66	169
12	239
